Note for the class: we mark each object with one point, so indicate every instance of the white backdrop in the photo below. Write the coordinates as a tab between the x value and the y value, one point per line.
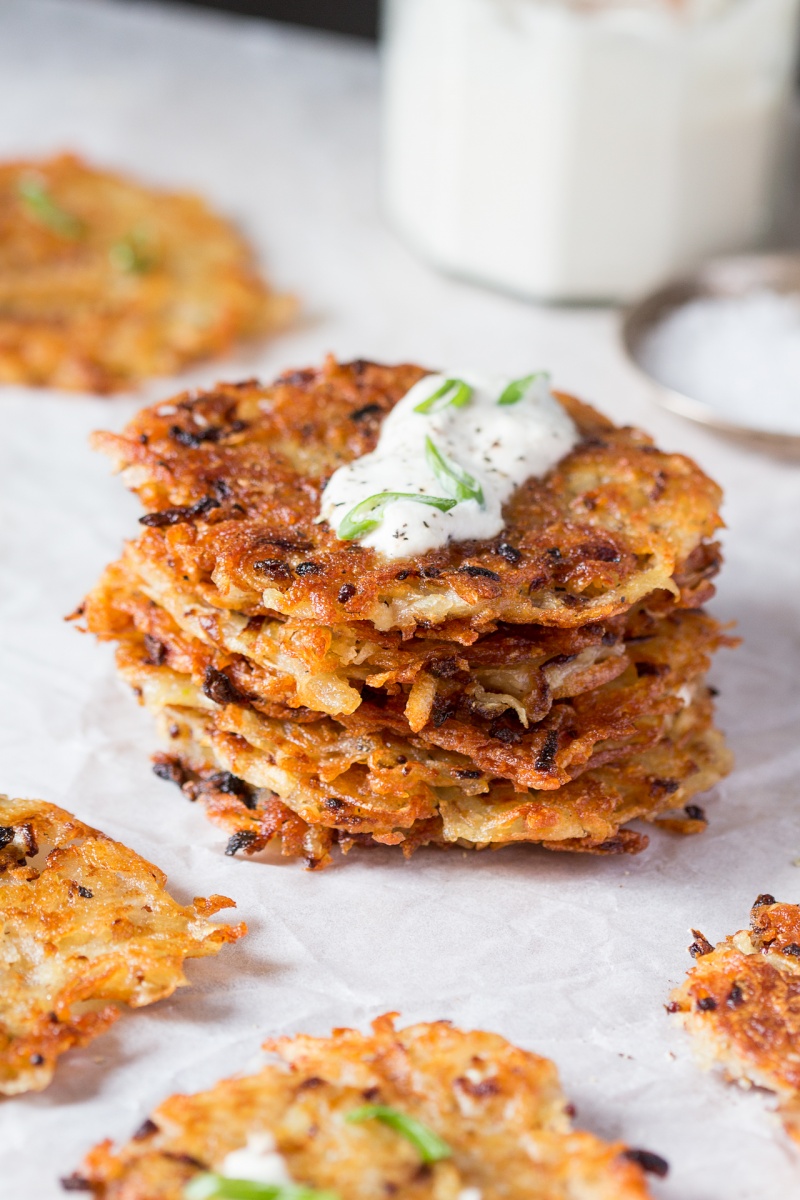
571	957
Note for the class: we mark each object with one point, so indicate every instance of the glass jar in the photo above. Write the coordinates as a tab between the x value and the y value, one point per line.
583	149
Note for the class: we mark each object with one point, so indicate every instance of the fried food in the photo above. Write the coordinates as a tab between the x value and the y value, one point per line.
741	1004
231	480
530	687
499	1110
87	925
261	791
104	282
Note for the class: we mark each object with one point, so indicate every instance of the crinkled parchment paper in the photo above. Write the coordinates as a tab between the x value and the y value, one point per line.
572	957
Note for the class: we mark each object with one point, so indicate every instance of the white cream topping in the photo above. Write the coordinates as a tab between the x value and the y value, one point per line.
494	447
258	1161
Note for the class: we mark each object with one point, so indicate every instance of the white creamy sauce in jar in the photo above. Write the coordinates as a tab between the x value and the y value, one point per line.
464	454
258	1161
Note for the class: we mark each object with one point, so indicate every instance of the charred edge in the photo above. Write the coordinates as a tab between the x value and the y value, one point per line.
273	568
735	997
443	709
763	900
545	760
673	1007
510	553
665	786
76	1183
504	733
219	688
226	781
6	835
467	774
707	1004
477	572
444	668
85	892
700	946
793	948
309	568
695	812
156	650
369	410
239	841
649	668
176	516
171	770
145	1130
654	1164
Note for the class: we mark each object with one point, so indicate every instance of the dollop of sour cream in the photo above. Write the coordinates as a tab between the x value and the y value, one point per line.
258	1161
467	446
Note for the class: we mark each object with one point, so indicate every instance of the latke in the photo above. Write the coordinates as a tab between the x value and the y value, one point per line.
87	924
740	1003
104	282
232	478
498	1113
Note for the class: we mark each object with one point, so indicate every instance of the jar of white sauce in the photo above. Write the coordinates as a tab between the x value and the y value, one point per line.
583	149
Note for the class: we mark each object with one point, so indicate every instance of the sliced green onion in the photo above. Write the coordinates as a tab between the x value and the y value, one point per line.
43	207
428	1144
367	515
219	1187
518	387
453	393
132	254
454	479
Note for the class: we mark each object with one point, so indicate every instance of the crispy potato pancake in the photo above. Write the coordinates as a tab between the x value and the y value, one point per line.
741	1004
104	282
499	1109
259	791
282	666
87	924
232	480
481	731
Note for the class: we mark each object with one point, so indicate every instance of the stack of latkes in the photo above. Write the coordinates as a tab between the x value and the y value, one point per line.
543	686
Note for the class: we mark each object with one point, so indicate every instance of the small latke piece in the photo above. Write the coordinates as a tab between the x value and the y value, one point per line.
740	1002
499	1109
105	282
85	924
232	478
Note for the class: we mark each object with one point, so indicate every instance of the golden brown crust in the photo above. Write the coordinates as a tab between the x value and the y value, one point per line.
232	480
85	920
500	1110
126	282
223	764
741	1003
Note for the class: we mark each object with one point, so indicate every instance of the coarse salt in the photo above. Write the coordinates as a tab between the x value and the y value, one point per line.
740	355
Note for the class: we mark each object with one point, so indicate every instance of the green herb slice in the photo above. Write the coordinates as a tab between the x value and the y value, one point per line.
518	387
428	1144
367	514
454	479
43	207
220	1187
132	254
453	393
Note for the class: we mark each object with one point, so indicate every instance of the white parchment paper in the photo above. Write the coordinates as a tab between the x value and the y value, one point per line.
571	957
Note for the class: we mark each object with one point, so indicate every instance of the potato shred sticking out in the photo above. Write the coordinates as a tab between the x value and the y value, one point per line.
87	924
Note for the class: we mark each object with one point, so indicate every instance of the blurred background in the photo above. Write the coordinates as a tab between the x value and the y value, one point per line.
358	17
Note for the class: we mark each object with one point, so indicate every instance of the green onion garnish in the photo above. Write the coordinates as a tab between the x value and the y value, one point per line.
454	479
219	1187
43	207
367	515
428	1144
131	254
453	393
518	387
